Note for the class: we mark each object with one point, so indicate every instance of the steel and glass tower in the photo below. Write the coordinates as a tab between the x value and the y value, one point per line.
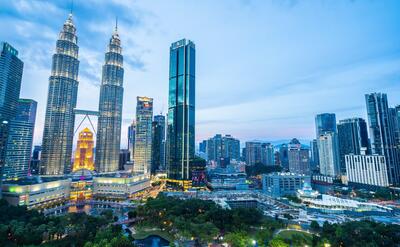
61	101
20	137
325	122
110	108
382	134
143	137
158	144
181	111
11	68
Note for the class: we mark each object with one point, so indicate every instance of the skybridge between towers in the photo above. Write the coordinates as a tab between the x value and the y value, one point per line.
86	114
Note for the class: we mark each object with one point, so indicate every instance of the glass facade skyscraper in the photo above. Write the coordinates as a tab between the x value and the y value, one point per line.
181	111
20	138
352	137
11	68
325	122
382	133
158	144
110	108
131	139
61	101
143	136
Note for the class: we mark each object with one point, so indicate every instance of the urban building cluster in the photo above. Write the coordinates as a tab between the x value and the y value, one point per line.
162	147
98	167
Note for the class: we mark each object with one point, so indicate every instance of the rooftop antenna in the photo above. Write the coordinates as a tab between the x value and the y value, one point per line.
72	7
116	23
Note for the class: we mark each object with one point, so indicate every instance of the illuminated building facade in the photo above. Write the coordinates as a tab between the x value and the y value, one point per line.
61	101
84	151
37	193
110	108
181	112
119	188
143	137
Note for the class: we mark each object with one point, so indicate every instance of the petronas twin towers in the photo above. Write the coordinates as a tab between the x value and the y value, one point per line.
61	102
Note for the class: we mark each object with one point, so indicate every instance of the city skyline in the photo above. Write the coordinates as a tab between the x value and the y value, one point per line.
357	70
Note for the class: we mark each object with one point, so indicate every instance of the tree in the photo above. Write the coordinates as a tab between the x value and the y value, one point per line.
314	226
278	243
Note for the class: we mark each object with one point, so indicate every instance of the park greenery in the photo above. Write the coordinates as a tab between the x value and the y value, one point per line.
22	227
179	220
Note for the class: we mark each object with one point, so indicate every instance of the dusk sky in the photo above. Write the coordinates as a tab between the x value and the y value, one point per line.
264	68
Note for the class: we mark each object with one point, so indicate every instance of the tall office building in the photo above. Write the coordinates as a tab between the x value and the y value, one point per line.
61	100
143	137
222	149
110	108
299	158
267	154
325	122
84	151
284	156
158	144
329	154
20	138
231	147
382	133
203	146
11	68
352	137
131	139
314	163
253	153
181	112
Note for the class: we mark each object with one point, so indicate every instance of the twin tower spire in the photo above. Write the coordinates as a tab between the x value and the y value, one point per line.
62	98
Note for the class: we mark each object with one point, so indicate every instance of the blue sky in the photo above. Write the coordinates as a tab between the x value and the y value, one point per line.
264	68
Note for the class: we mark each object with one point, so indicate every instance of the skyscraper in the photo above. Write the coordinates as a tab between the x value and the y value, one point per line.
329	154
84	151
223	149
143	138
352	137
382	133
314	165
20	138
158	144
11	68
299	158
267	154
253	153
325	122
131	139
110	108
181	112
284	156
61	101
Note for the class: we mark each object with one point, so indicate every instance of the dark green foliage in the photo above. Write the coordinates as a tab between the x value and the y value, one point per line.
362	233
22	227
